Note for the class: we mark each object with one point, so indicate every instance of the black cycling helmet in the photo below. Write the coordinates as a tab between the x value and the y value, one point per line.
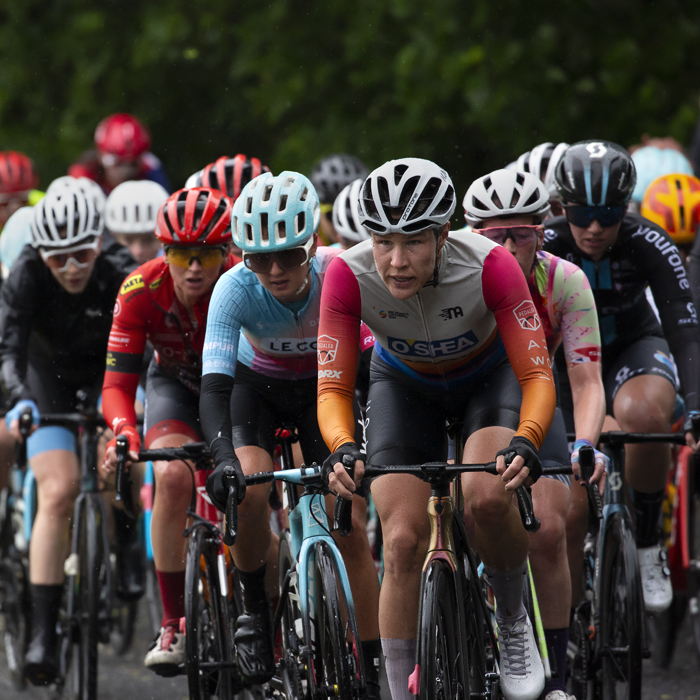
595	173
332	173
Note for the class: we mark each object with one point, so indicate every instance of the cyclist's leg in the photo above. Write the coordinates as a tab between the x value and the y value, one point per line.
172	419
640	387
403	427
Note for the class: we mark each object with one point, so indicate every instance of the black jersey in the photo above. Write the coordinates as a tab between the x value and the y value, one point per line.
643	256
44	325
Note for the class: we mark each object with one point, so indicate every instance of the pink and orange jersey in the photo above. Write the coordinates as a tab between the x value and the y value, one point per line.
447	335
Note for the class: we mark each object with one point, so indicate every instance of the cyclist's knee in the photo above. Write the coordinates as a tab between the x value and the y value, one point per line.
173	481
57	496
491	507
255	503
645	407
550	540
404	551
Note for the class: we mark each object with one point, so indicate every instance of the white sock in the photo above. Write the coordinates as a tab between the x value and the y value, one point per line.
400	660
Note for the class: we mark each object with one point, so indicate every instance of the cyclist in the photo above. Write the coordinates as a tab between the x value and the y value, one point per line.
329	176
166	301
541	162
508	208
622	254
656	158
121	143
55	314
18	181
259	371
130	216
346	216
457	335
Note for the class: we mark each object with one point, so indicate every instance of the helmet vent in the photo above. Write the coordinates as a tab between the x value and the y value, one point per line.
248	205
487	183
300	222
497	200
532	199
519	178
281	231
266	193
446	202
264	233
283	204
399	170
408	190
304	192
248	232
383	188
289	181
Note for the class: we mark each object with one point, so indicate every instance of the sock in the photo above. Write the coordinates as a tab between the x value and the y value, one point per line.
46	600
647	510
557	643
253	589
125	529
400	659
172	593
507	588
371	653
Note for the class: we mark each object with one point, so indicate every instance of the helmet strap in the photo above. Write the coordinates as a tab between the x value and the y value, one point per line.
306	279
436	269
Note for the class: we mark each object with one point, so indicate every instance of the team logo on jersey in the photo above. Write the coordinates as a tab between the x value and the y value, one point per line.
392	314
132	283
437	348
329	373
327	348
155	284
527	316
117	308
454	312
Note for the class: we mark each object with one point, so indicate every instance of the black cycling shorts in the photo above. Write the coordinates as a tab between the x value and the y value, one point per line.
406	419
261	404
170	407
648	355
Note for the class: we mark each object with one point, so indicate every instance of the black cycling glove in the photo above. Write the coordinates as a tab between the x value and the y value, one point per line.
217	484
691	424
524	448
349	449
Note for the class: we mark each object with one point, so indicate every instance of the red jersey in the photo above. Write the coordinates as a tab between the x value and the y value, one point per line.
147	309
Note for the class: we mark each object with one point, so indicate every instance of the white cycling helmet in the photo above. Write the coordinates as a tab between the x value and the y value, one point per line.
66	207
346	213
505	193
275	213
87	186
406	196
132	207
541	162
194	180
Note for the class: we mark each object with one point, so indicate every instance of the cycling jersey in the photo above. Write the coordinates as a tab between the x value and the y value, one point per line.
643	255
443	336
147	309
247	324
44	325
88	165
566	306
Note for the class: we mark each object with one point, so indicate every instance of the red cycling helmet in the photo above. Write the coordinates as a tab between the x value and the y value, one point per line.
231	175
122	135
199	216
16	173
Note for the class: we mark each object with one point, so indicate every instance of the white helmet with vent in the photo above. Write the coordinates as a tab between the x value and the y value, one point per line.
505	193
88	187
406	196
132	207
346	213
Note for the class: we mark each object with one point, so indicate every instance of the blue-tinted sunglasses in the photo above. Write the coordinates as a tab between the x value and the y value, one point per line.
583	217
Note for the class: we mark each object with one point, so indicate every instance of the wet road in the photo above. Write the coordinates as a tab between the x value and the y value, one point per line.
125	678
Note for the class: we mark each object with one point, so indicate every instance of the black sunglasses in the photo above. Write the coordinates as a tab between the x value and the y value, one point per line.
583	216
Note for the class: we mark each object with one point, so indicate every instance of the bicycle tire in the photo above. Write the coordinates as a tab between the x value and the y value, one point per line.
693	536
294	674
336	647
621	614
207	622
444	673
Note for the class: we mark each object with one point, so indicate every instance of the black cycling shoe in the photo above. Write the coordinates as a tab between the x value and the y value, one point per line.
254	644
372	691
40	667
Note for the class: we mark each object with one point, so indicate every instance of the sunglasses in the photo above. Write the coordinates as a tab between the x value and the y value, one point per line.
182	256
583	217
60	260
520	235
261	263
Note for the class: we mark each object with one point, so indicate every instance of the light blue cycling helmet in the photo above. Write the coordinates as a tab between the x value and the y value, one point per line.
275	213
652	162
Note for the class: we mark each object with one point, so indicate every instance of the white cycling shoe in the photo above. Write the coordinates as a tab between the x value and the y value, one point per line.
558	695
167	652
656	581
522	673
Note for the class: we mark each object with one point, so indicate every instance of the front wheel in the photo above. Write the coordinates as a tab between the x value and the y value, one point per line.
621	614
444	671
209	660
337	652
14	611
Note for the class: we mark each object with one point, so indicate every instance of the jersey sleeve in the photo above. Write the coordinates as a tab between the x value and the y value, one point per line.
338	351
224	321
127	340
574	299
507	295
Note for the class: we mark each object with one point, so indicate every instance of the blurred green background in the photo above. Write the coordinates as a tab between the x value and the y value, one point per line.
470	84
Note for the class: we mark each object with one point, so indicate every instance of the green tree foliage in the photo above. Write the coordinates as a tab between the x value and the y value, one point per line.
468	83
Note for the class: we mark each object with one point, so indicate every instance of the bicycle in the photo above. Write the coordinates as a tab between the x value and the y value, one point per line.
17	509
212	598
322	655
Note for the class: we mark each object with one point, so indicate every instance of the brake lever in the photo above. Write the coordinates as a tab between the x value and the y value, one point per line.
342	510
123	481
231	514
586	460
